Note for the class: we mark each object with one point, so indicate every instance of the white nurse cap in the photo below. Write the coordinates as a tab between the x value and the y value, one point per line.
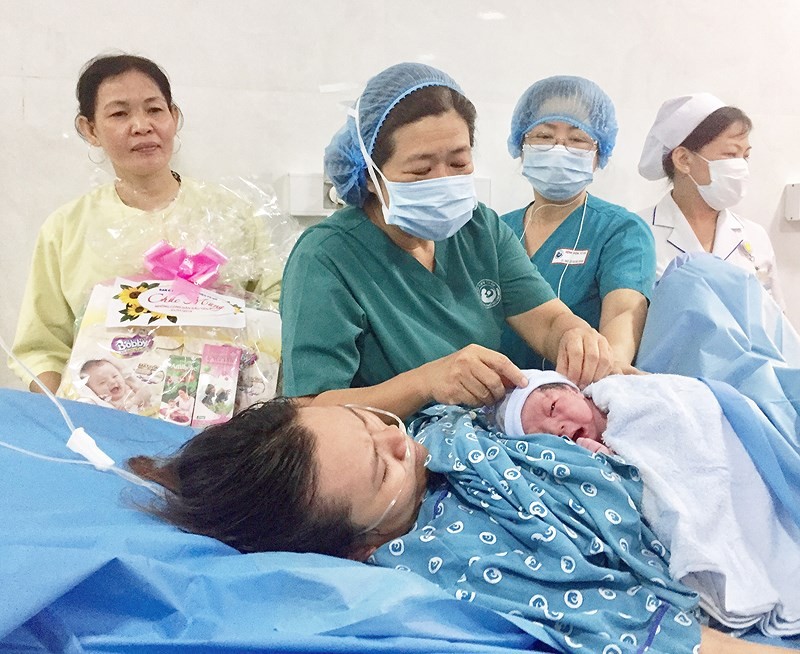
676	119
509	412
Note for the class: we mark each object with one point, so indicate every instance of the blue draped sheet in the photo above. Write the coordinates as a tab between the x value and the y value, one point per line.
82	570
540	528
712	320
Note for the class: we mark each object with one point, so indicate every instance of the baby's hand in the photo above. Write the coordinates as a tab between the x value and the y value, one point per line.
593	446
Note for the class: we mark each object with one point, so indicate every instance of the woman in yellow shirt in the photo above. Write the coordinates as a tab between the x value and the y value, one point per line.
126	108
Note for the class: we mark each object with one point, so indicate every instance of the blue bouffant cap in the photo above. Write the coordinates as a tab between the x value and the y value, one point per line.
344	162
574	100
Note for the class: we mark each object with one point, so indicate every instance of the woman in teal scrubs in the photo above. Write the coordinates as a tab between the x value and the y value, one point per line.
598	258
400	298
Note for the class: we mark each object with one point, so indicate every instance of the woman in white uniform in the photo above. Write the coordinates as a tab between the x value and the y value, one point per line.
702	146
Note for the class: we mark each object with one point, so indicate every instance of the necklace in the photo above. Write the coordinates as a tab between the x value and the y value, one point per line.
528	219
126	193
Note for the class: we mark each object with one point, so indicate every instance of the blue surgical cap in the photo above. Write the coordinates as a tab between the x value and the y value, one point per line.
572	100
344	162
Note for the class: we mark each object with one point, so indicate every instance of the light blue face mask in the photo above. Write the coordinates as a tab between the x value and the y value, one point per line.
431	209
556	173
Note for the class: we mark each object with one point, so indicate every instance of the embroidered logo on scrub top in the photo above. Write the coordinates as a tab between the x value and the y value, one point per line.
570	257
489	291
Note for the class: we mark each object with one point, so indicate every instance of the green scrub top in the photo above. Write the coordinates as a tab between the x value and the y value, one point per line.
615	250
358	310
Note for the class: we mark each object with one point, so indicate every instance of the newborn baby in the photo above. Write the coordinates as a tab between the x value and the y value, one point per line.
552	404
703	495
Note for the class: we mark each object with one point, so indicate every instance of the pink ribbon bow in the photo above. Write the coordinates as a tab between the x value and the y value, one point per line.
190	272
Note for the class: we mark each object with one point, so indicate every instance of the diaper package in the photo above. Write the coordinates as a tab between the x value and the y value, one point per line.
189	291
185	356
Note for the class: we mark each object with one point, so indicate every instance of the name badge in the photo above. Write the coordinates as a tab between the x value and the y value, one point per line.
570	257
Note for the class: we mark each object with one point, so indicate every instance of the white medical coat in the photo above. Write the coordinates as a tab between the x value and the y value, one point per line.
737	240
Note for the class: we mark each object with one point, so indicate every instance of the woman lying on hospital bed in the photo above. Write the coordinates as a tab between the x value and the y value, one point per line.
532	526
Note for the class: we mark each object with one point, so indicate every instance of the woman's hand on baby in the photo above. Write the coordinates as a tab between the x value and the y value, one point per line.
584	356
475	376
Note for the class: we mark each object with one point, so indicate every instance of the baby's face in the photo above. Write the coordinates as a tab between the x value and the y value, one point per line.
559	410
107	382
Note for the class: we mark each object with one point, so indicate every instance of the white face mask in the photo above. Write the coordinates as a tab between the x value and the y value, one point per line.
728	183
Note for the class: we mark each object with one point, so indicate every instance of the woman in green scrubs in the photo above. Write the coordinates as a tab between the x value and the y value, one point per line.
399	299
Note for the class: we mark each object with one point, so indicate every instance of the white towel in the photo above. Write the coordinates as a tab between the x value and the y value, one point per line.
705	500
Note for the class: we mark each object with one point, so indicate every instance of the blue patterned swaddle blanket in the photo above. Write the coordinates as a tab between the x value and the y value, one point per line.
544	530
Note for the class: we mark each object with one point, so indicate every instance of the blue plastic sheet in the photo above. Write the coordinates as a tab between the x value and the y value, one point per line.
83	570
772	452
710	319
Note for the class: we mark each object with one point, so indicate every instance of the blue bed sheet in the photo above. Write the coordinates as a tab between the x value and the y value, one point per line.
82	570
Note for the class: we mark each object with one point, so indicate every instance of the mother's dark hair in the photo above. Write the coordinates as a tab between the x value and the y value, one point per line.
98	70
427	101
710	128
251	483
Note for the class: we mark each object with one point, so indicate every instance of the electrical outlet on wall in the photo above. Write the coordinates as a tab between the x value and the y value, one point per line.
330	199
791	199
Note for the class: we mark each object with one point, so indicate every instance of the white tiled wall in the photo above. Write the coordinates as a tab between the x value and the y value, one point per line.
254	80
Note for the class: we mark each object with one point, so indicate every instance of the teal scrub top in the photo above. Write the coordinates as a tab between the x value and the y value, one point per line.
357	310
615	250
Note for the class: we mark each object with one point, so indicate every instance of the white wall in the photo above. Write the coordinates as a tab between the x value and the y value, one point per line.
254	77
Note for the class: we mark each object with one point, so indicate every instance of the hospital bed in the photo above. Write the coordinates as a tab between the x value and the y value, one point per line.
83	569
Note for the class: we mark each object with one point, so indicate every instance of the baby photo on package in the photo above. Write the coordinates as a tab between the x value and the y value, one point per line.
118	368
